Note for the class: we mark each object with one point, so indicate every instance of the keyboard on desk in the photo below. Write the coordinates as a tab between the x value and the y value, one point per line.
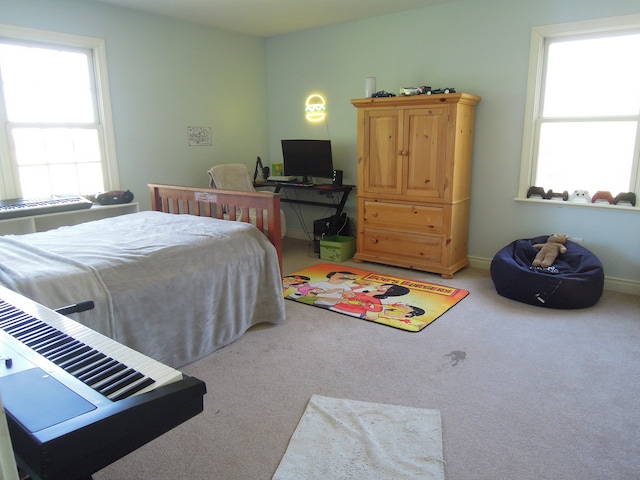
23	207
298	184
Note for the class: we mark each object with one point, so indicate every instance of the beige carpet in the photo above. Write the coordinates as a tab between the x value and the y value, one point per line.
345	439
524	392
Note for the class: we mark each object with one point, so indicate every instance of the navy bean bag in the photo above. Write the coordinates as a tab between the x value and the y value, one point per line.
575	280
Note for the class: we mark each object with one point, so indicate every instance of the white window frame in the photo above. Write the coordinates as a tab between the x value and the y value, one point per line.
8	186
539	36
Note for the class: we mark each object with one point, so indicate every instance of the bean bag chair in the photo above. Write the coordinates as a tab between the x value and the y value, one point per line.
575	280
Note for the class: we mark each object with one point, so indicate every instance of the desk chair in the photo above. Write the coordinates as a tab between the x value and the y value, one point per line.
235	176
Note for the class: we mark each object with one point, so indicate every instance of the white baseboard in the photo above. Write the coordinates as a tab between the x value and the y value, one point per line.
478	262
610	283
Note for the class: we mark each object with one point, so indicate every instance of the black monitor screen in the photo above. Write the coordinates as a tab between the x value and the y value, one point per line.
307	158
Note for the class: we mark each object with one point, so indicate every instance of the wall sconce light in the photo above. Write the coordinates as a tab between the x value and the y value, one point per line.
315	109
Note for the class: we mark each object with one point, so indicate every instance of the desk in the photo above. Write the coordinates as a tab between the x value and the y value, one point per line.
343	190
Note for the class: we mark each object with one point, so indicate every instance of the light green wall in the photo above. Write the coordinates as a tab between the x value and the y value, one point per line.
164	76
476	46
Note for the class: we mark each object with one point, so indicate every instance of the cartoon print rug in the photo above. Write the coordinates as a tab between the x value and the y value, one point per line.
398	302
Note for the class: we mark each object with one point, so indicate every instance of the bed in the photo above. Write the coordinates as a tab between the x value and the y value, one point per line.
175	283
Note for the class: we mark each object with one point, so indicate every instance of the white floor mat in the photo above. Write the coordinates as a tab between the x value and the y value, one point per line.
347	439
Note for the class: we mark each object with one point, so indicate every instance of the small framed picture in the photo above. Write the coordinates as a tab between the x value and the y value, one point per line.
199	136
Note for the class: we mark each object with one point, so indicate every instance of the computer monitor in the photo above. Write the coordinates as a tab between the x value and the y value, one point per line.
307	158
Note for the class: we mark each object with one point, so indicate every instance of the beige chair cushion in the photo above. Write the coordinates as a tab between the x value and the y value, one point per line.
235	176
232	176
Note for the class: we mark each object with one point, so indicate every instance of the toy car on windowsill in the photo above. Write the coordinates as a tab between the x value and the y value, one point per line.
383	93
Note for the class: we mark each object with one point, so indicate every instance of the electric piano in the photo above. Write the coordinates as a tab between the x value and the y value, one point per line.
77	400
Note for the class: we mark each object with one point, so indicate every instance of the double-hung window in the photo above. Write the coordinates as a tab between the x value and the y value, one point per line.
56	135
582	124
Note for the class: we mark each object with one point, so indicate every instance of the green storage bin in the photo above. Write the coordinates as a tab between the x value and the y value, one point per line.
337	248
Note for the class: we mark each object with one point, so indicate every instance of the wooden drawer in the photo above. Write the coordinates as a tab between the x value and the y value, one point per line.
407	217
391	244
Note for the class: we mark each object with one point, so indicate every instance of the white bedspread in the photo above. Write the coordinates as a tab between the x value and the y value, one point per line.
174	287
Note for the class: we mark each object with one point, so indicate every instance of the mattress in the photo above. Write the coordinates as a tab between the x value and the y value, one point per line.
174	287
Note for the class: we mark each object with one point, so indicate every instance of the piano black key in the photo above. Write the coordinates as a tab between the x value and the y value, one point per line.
26	335
104	374
46	337
90	371
8	323
16	316
83	360
132	390
69	356
12	319
53	345
118	382
43	337
62	350
25	329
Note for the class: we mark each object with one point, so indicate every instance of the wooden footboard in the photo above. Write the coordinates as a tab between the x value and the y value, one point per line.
223	204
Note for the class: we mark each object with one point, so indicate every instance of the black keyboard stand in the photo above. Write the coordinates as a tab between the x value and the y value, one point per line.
343	190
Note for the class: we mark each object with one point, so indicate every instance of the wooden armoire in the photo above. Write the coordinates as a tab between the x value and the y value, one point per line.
414	180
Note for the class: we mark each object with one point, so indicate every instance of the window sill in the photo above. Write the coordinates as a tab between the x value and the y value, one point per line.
600	205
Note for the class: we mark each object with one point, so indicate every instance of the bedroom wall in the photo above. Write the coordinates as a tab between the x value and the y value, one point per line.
166	75
476	46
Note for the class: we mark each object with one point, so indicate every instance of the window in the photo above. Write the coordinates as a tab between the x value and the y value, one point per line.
582	124
56	136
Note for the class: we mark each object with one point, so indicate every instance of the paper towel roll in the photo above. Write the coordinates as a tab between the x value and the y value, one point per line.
370	86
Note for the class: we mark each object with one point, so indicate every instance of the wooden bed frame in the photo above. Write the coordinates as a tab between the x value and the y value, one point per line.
222	204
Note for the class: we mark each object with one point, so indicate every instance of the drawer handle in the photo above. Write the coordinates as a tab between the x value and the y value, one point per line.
374	214
374	240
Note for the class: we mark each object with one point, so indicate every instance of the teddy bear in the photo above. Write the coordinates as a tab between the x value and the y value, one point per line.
549	251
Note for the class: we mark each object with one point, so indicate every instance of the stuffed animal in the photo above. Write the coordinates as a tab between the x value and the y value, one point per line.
549	251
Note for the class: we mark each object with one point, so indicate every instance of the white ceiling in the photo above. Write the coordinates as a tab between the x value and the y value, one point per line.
267	18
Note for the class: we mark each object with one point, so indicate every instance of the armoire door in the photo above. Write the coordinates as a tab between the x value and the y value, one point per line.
425	147
382	161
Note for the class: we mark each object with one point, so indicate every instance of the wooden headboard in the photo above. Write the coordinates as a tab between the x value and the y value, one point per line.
222	204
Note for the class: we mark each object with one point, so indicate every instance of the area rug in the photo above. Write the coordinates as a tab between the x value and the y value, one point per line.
398	302
348	439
